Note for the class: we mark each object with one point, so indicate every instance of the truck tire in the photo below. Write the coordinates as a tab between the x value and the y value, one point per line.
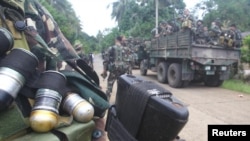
174	75
162	71
143	68
213	81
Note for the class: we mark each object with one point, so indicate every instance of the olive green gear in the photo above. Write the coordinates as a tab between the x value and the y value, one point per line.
18	4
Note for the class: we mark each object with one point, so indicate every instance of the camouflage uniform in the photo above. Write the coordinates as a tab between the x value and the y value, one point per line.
49	45
199	32
236	34
118	64
187	20
215	32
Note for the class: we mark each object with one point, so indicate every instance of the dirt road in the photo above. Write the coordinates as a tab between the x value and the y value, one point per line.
206	105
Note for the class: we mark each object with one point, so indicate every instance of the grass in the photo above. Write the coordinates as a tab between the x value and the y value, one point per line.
236	85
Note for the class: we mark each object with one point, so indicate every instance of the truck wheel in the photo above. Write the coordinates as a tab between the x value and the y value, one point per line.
162	71
174	75
143	68
213	81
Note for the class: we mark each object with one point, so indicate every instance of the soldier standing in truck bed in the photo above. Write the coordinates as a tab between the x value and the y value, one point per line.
187	20
236	34
215	31
199	32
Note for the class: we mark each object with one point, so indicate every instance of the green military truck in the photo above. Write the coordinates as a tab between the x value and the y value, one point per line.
178	61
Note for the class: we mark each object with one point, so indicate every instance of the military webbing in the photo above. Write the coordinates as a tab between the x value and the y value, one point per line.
60	135
8	18
17	4
12	123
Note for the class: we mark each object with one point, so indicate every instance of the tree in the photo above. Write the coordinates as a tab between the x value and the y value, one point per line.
118	9
230	11
138	19
65	17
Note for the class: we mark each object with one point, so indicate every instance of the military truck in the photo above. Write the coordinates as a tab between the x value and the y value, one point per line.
178	60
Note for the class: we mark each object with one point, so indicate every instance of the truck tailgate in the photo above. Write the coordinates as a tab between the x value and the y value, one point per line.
214	55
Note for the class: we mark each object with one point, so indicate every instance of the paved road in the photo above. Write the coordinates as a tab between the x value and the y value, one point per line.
206	105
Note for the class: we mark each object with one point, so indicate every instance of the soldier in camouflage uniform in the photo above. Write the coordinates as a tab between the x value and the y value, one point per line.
215	32
128	55
199	32
236	35
116	63
187	20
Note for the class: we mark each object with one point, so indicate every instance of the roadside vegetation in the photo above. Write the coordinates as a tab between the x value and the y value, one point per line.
241	82
237	85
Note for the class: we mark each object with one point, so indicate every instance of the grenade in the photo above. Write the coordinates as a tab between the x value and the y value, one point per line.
75	105
44	114
13	75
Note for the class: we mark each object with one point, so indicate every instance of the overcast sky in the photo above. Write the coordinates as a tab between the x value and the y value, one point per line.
95	16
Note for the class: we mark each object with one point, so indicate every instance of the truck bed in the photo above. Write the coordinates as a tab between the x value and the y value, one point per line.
179	45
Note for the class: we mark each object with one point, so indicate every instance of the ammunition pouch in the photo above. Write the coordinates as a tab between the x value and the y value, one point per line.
74	132
230	43
226	41
13	123
221	40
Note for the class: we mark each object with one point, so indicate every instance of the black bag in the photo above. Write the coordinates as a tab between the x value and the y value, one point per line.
146	111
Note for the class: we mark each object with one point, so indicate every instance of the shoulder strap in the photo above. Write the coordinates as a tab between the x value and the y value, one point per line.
12	20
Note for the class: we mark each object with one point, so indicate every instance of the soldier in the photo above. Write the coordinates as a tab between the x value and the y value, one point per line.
187	20
127	52
91	60
116	63
236	35
175	27
163	28
206	34
199	32
215	31
103	53
80	52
